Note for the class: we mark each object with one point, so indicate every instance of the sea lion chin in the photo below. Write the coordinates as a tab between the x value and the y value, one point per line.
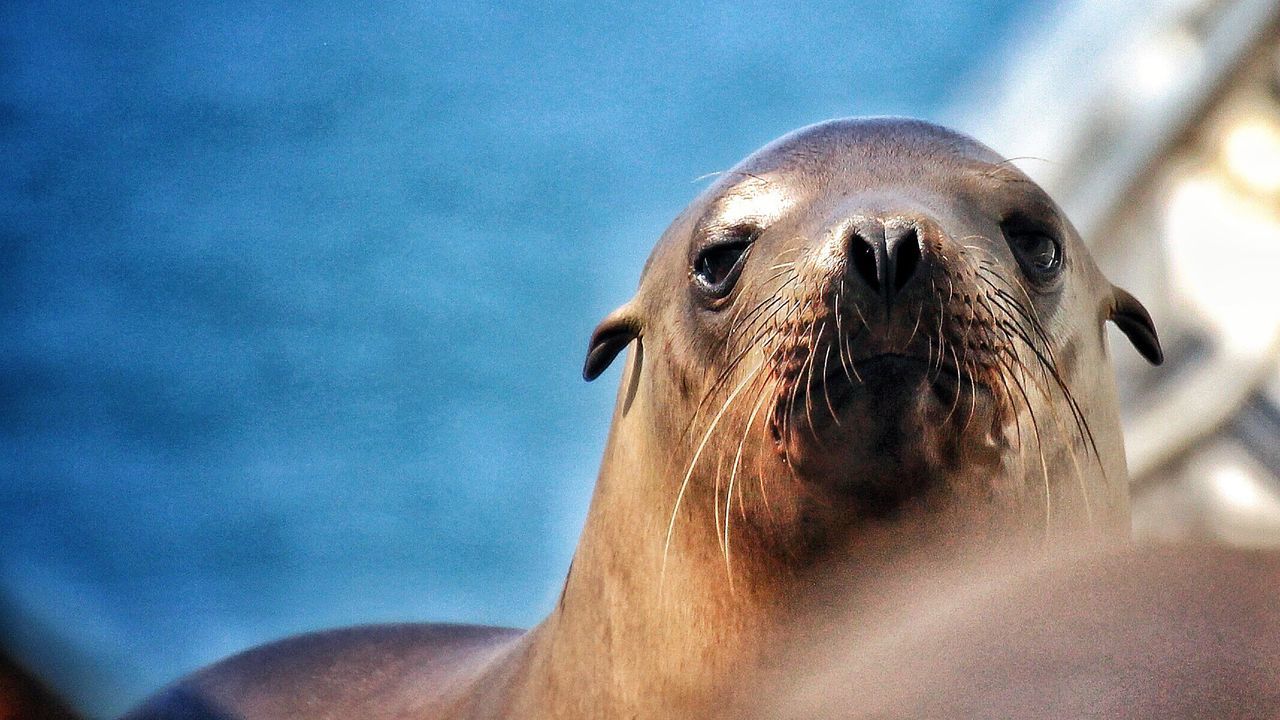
887	435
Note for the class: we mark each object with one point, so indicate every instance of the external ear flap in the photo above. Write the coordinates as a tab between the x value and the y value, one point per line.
611	337
1134	321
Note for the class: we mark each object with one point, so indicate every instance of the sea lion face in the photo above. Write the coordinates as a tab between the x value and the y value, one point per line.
866	313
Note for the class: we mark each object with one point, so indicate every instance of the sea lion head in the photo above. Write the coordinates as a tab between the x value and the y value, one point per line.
873	314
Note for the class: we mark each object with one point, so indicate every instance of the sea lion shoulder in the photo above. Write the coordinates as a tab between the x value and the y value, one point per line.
364	671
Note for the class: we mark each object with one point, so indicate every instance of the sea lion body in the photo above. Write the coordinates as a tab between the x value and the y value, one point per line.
1142	633
872	341
376	671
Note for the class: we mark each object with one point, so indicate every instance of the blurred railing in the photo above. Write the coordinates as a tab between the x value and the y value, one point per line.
1157	127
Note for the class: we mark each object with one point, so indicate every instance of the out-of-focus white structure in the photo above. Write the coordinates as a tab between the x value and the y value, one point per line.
1156	126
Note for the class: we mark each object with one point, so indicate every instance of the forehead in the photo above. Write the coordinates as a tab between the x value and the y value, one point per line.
844	157
877	149
887	140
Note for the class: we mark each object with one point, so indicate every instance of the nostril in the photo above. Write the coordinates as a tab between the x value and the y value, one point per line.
906	260
864	260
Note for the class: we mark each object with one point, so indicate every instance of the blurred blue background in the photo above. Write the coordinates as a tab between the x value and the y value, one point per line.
295	298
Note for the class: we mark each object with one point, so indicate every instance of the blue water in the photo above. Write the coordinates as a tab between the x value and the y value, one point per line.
294	299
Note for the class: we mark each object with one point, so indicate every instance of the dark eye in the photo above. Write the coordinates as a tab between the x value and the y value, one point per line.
1041	252
1037	248
718	265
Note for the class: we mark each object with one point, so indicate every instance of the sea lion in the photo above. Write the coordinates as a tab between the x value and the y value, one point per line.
870	340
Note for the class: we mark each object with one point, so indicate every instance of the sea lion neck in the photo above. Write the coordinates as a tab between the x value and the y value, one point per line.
672	630
643	627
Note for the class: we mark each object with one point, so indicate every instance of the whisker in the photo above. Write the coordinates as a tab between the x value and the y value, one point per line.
684	484
808	395
826	355
1049	363
1035	426
916	327
955	403
724	376
973	397
733	474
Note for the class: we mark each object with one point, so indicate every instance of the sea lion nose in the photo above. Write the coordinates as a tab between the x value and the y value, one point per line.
885	254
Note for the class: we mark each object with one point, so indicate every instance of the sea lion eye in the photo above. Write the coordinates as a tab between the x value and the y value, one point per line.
719	264
1038	251
1042	253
